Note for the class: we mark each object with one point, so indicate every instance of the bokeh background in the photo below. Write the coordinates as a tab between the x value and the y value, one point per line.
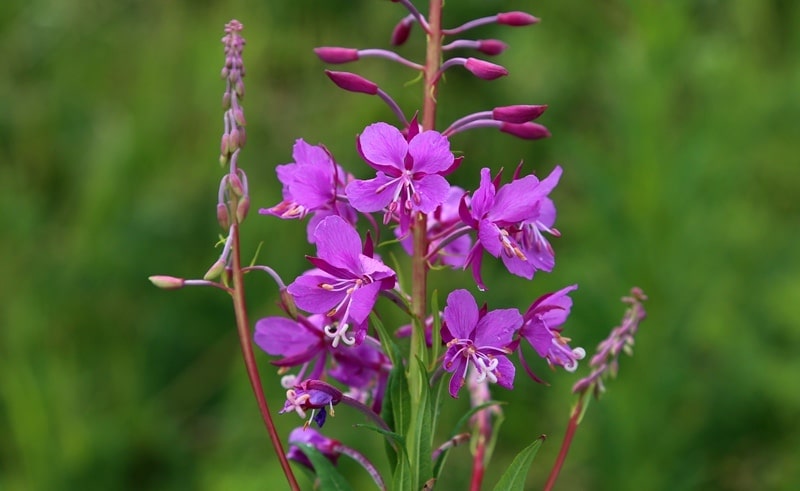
677	126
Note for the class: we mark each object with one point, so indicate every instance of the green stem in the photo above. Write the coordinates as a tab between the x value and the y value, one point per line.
418	438
243	328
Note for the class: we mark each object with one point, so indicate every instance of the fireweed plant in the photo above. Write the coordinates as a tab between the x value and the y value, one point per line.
331	347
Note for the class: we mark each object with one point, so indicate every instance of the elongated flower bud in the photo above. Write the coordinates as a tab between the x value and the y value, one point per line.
402	30
352	82
484	69
491	47
167	282
526	131
518	113
336	55
516	19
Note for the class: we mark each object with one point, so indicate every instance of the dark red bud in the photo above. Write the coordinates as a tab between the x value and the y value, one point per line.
518	113
526	131
401	32
491	47
516	19
352	82
336	55
484	69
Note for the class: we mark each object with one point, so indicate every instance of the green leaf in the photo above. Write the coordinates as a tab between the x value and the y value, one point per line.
513	479
395	437
389	346
439	464
420	434
328	475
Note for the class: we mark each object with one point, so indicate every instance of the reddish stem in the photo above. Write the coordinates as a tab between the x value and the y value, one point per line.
243	327
479	459
574	421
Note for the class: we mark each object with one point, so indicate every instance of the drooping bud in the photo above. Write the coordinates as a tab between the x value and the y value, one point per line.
516	19
484	69
491	47
402	30
352	82
242	208
223	217
167	282
215	270
526	131
518	113
336	55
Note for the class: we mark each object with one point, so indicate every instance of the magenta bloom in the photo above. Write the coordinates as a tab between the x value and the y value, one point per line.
510	221
480	340
311	184
410	173
312	395
345	284
328	447
542	329
441	225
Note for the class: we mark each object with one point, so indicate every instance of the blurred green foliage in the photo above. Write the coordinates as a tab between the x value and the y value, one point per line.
676	123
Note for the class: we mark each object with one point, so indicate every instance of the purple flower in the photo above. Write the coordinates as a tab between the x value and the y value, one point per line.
481	340
448	248
345	284
510	221
313	395
328	447
311	185
409	177
542	329
301	342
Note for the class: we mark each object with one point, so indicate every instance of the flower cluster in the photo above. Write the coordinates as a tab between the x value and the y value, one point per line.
331	346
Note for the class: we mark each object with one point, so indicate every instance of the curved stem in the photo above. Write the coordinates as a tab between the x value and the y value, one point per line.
243	328
574	421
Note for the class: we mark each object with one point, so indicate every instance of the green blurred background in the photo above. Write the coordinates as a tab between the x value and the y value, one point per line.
677	126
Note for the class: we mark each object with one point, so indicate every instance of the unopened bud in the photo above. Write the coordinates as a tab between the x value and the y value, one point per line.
238	116
526	131
242	136
242	208
484	69
233	140
223	145
236	185
226	100
491	47
336	55
402	31
518	113
516	19
223	217
166	282
215	270
352	82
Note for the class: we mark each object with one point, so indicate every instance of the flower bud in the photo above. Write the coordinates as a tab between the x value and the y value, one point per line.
526	131
236	185
238	116
223	217
491	47
352	82
223	144
516	19
242	208
402	31
215	270
166	282
518	113
484	69
336	55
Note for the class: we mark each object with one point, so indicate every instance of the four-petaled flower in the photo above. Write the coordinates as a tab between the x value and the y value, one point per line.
313	395
311	184
542	327
410	172
345	284
510	221
479	339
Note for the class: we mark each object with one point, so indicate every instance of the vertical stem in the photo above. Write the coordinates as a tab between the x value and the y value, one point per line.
479	459
574	420
416	447
243	328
